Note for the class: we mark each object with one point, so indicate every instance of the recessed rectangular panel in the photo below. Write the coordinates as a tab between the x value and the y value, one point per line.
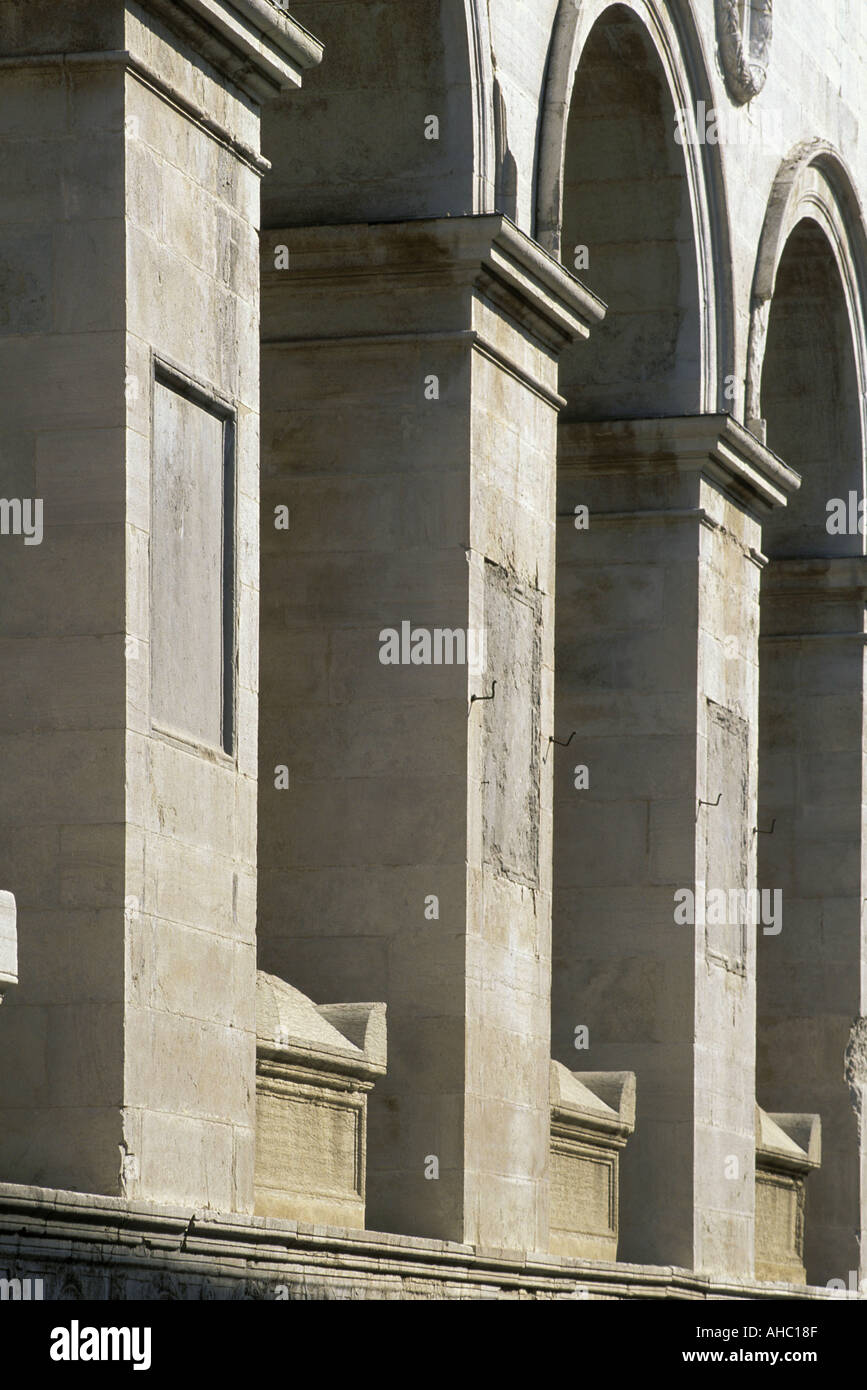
511	728
728	907
307	1146
190	563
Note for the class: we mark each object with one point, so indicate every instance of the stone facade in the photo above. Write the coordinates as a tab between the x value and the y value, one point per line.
430	471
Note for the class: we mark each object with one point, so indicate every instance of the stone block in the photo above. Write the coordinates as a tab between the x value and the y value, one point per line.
314	1068
788	1149
592	1116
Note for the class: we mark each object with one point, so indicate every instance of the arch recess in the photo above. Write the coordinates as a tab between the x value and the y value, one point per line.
679	49
813	183
357	144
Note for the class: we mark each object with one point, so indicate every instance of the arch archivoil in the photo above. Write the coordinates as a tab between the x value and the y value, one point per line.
680	57
805	392
813	183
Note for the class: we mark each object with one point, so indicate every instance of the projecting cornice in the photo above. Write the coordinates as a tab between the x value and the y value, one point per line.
716	445
487	253
255	43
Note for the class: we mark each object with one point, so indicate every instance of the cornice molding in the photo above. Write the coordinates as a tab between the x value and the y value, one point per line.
715	445
255	43
488	253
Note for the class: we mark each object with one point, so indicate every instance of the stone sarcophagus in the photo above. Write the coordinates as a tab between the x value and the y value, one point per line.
8	943
314	1067
592	1116
788	1149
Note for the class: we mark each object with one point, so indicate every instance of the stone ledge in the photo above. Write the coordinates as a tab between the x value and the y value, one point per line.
108	1248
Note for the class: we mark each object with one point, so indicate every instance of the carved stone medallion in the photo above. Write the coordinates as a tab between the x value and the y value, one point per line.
744	37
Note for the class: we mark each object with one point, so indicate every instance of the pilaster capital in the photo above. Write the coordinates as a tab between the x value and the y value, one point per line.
255	43
716	447
419	276
832	576
815	597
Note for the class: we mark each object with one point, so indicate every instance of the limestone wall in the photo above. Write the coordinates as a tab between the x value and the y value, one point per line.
521	257
62	845
130	397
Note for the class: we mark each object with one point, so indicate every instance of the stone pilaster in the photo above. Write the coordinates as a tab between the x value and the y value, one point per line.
409	411
657	674
129	396
811	975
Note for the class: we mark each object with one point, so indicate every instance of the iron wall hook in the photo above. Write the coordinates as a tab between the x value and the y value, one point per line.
757	831
560	742
474	698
